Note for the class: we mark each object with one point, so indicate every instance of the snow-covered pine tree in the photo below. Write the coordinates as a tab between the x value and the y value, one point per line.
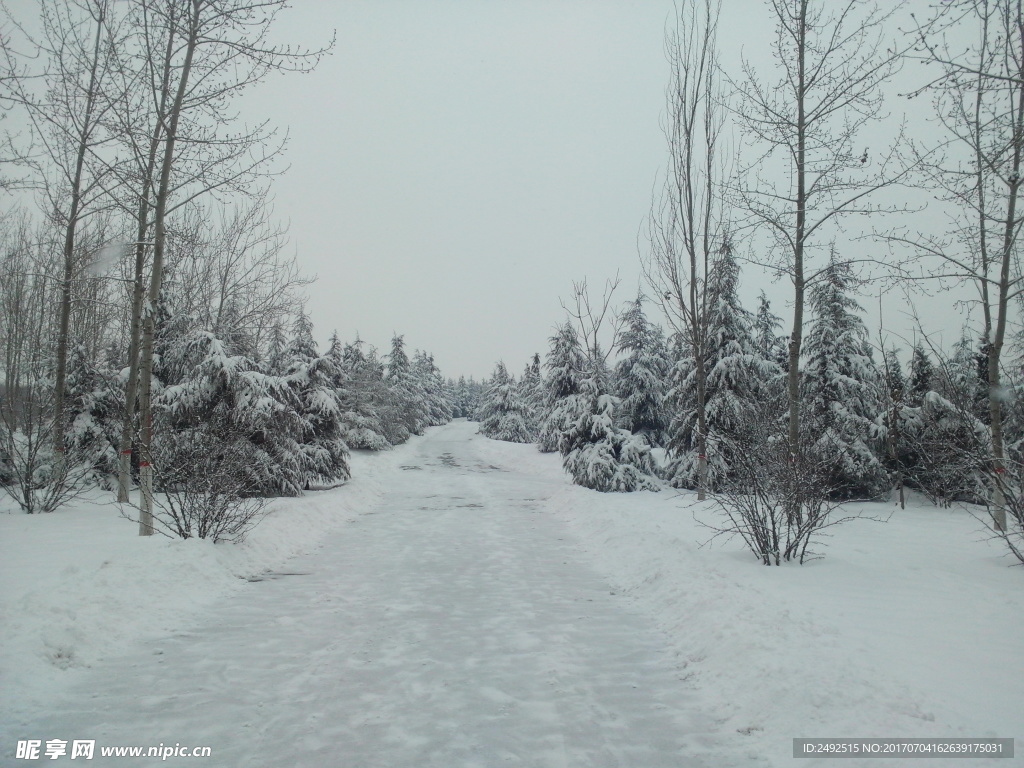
503	414
274	360
461	403
359	395
770	345
436	396
407	411
596	453
641	375
922	376
323	456
228	406
840	388
944	428
895	419
737	375
531	391
565	363
94	405
301	347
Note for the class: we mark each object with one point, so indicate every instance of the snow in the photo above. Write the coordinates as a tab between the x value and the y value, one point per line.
80	585
460	603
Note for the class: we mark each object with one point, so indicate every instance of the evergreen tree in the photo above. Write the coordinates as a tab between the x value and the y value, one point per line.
531	392
503	414
301	348
275	361
462	407
596	453
471	398
436	395
737	374
406	413
947	426
323	454
898	419
641	375
94	405
840	388
227	406
770	345
359	396
922	376
565	363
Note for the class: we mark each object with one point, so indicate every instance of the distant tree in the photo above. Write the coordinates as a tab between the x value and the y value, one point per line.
503	414
532	393
406	412
894	397
437	396
922	376
360	393
770	345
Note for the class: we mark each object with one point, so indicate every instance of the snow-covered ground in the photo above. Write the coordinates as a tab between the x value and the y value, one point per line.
460	603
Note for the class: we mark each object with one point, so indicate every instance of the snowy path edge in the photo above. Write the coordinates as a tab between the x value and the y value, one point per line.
79	585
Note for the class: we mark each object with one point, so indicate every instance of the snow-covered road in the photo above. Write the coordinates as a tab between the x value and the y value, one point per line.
452	625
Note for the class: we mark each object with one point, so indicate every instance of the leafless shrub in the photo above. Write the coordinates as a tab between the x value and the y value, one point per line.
203	489
776	502
1009	482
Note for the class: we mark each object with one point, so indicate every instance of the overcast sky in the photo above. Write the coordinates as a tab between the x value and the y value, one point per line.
457	164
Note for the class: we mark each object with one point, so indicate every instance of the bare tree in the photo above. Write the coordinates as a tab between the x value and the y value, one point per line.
765	486
206	491
593	316
212	50
813	172
32	472
237	280
688	226
77	42
979	104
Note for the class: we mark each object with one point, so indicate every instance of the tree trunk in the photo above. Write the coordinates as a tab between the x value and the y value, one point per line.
702	427
131	387
60	375
995	394
149	319
796	337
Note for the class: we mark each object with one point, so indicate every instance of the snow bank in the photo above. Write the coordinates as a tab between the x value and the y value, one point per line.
79	584
906	628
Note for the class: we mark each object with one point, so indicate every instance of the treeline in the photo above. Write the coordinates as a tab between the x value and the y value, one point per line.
152	329
874	420
244	404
